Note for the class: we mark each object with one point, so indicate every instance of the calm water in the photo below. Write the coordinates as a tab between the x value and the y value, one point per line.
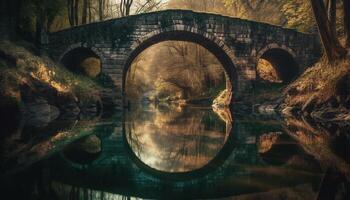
170	152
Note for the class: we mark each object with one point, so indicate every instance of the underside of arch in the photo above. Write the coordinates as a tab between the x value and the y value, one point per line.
283	62
219	51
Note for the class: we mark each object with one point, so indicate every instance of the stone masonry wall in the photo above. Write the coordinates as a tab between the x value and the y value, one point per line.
242	40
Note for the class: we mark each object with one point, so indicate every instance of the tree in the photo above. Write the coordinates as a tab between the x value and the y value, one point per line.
125	6
346	5
330	42
85	12
73	12
298	15
147	6
101	7
9	17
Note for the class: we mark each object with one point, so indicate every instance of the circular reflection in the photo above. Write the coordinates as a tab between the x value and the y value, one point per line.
83	151
175	140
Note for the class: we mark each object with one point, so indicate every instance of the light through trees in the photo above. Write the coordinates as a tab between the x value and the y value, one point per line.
175	71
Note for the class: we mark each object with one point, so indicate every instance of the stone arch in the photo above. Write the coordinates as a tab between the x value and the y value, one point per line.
282	58
76	53
216	46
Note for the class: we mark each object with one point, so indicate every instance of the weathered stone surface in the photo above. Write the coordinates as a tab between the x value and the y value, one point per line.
236	42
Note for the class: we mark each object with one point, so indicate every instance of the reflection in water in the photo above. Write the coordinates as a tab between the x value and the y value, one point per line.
175	140
83	151
291	159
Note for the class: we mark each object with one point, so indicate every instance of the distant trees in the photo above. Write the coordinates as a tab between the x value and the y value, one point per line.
9	17
325	15
99	10
124	7
72	7
175	70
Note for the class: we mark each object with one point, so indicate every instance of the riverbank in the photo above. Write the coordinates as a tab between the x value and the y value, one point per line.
39	90
322	92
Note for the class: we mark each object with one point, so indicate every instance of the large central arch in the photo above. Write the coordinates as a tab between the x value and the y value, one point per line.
183	33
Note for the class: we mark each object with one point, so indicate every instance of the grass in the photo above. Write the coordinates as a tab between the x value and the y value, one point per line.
319	82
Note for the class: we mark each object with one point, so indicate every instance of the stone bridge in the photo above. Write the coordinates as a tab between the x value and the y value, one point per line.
238	44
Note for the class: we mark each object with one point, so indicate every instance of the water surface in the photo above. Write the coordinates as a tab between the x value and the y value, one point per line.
172	152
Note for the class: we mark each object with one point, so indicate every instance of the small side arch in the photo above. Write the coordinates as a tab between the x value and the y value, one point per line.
282	59
78	55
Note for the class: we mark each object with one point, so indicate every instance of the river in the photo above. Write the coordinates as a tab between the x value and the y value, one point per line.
173	152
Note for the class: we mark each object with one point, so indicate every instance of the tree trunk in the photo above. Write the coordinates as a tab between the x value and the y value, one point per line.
125	7
90	15
70	12
76	12
101	9
332	16
346	4
41	24
330	41
9	18
85	12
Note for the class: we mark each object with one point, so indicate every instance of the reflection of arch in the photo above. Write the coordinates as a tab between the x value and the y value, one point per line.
79	159
281	151
282	59
213	164
186	33
76	54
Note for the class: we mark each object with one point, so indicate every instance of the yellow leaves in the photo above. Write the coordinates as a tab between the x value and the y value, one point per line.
60	136
44	74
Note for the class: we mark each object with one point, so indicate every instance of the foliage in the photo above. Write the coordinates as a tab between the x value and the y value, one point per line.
298	14
180	70
289	13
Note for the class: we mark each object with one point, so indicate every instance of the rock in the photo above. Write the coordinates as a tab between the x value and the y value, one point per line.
223	100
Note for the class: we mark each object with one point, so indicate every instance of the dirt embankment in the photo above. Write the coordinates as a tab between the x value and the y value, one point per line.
322	92
35	88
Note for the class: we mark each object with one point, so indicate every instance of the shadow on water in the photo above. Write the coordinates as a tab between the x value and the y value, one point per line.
168	152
